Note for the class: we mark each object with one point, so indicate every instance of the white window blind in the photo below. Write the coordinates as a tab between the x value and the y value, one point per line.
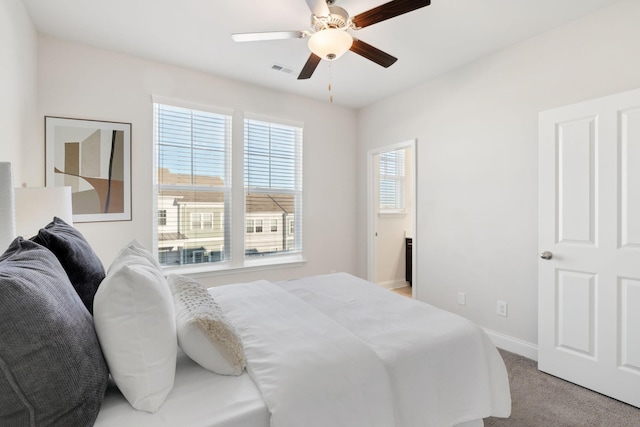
273	188
392	180
193	170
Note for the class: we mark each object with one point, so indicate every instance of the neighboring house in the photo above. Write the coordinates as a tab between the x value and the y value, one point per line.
191	224
269	223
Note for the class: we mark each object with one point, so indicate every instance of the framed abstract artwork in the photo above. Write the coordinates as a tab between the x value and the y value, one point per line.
94	159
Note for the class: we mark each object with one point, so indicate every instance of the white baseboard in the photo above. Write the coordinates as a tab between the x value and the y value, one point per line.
514	345
393	284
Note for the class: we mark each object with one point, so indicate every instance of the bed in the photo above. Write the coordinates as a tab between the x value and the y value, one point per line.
84	346
442	369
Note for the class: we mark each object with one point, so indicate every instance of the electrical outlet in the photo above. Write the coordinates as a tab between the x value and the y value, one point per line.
501	308
462	298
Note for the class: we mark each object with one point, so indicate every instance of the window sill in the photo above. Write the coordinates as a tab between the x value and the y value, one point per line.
392	214
222	269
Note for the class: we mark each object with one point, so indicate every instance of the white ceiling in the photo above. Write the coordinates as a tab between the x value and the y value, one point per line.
196	34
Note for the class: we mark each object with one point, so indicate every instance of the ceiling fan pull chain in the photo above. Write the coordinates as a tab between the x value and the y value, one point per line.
330	79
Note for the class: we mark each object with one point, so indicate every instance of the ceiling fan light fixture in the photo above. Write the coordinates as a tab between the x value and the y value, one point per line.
330	44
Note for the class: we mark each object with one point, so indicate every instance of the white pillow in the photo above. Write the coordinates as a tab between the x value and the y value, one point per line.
135	322
134	249
204	333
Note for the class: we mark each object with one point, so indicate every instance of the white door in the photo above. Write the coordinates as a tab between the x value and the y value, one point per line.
589	223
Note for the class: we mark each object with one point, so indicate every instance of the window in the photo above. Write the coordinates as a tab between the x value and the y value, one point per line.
273	186
392	181
193	184
219	222
201	221
206	221
195	221
162	217
194	189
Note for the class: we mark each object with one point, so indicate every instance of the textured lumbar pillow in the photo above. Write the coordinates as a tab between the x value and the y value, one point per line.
204	333
82	265
51	368
135	321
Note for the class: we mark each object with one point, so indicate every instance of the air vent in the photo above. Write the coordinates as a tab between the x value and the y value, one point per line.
283	69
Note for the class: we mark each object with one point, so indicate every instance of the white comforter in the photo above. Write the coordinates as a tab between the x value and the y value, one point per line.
336	350
443	369
311	371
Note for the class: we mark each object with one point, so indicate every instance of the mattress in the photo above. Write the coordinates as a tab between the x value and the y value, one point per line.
199	398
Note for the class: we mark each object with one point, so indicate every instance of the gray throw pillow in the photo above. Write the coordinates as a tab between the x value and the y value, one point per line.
84	268
52	372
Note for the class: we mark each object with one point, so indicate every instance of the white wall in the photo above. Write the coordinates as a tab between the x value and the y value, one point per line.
477	159
83	82
18	41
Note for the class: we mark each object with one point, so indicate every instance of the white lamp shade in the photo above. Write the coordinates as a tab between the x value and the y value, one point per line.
330	44
36	207
7	219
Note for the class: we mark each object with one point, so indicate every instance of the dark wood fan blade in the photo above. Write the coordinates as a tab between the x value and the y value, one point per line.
372	53
309	67
387	11
318	7
270	35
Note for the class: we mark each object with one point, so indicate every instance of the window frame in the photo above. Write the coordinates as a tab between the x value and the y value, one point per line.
226	190
206	221
162	217
195	221
297	191
398	180
233	258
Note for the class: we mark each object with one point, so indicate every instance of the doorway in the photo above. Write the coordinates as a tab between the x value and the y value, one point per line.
391	212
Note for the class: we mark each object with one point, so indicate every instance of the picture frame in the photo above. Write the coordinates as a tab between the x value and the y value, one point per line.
93	158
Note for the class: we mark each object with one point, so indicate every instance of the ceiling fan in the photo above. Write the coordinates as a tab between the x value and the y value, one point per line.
328	36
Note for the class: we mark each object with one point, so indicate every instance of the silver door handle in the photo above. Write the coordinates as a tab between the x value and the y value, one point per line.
546	255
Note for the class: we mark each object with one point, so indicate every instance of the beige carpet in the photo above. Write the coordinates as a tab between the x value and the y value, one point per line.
542	400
